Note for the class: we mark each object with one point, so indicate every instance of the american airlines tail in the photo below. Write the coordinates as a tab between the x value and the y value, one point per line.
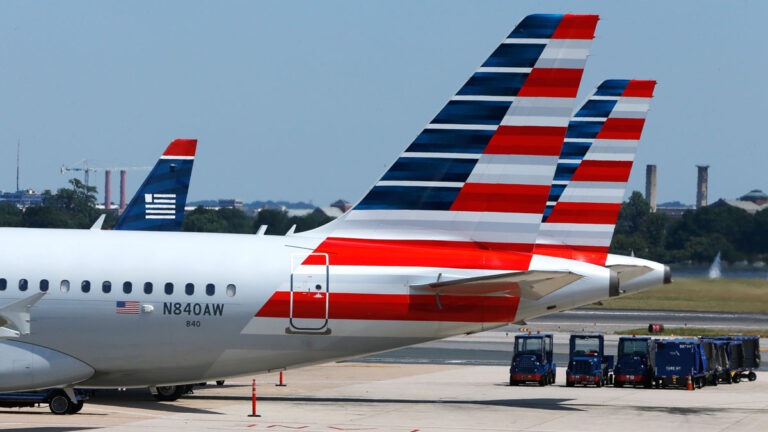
593	170
159	203
481	170
591	179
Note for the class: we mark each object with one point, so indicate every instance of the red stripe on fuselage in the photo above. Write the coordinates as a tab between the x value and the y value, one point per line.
418	253
497	197
399	307
596	255
622	128
576	27
527	140
545	82
604	171
586	213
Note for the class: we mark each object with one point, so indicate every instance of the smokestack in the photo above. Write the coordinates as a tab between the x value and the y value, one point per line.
122	191
701	186
107	189
650	186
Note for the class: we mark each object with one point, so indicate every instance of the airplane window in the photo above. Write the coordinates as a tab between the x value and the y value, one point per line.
189	288
106	287
231	289
85	286
3	284
64	286
22	284
210	289
168	288
127	287
43	285
147	287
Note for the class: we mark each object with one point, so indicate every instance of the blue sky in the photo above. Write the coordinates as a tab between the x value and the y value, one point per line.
314	100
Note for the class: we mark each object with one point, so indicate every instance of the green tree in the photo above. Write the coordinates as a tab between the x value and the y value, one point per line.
276	221
237	221
10	215
46	217
204	220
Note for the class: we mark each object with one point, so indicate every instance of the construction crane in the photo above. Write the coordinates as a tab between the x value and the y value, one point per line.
86	170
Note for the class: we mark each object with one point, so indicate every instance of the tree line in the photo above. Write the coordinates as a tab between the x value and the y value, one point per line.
75	207
698	236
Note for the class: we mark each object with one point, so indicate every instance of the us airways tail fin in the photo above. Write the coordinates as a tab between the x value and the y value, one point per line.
594	166
481	169
159	203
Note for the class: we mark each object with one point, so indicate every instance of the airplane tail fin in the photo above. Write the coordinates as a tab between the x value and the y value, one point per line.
593	169
159	203
481	169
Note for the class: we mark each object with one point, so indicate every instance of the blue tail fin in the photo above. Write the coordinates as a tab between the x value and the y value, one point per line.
159	203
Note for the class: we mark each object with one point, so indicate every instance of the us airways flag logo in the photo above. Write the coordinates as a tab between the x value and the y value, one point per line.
127	307
159	206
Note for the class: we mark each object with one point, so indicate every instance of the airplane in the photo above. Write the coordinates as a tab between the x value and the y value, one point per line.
159	203
443	244
591	180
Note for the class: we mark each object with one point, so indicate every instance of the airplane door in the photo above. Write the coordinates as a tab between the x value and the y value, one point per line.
309	293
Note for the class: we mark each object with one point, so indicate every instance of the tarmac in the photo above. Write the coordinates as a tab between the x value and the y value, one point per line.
412	398
455	384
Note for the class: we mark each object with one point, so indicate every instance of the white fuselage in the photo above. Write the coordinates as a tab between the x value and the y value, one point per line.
306	313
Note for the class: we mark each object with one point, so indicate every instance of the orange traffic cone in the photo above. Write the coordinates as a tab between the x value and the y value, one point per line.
689	386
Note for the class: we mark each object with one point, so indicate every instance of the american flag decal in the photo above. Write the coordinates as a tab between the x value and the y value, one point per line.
160	206
127	307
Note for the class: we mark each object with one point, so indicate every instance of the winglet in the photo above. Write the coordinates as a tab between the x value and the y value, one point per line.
17	313
292	230
99	222
262	230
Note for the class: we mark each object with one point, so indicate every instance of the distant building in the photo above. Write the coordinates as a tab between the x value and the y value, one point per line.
22	198
329	211
674	209
342	205
231	203
751	202
298	212
756	196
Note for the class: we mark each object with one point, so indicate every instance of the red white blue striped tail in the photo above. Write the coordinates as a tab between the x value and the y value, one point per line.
594	166
481	170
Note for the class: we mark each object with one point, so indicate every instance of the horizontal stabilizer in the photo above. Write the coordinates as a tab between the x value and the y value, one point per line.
531	285
629	272
17	313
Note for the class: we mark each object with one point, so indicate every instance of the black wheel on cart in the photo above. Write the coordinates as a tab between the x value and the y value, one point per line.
736	378
75	408
59	403
751	376
170	393
513	382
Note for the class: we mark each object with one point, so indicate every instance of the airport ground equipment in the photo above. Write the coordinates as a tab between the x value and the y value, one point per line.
679	362
587	362
533	360
716	361
634	362
735	358
751	352
720	347
57	400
